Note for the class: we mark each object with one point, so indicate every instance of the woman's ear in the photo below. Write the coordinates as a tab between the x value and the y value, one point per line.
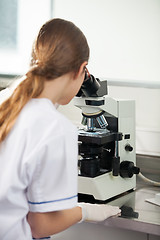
81	69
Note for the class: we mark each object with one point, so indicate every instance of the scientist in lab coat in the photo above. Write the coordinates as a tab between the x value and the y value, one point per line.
38	145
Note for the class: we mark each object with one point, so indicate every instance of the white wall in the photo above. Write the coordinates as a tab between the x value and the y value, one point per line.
124	39
123	36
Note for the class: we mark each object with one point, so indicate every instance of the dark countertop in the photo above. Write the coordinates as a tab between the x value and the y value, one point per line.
137	213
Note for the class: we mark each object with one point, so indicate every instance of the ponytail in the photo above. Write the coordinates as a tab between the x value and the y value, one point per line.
30	87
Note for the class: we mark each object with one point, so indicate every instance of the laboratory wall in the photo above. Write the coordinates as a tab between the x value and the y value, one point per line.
124	37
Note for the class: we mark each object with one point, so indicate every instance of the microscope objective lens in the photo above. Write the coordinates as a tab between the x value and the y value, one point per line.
102	121
90	124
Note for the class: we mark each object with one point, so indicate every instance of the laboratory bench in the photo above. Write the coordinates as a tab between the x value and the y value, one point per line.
139	220
137	213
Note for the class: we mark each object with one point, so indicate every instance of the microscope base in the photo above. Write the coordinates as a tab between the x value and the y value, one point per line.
105	186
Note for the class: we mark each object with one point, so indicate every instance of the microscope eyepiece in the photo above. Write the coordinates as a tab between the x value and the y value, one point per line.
92	87
89	87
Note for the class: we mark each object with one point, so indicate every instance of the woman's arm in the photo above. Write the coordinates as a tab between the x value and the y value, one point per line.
49	223
46	224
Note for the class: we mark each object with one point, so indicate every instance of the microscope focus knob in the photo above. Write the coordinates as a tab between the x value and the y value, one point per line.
128	148
127	169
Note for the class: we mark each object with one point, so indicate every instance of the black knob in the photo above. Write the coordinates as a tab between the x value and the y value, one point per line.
127	169
128	212
128	148
115	166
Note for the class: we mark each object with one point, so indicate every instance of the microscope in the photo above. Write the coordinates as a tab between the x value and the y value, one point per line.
107	163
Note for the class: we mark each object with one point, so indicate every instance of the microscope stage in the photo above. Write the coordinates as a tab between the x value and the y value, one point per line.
99	136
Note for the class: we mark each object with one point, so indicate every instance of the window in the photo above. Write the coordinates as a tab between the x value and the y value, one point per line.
19	24
8	24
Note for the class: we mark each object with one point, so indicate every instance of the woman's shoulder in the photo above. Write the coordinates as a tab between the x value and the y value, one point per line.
41	114
38	109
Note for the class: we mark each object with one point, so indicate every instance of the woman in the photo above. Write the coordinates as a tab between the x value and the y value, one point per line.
38	146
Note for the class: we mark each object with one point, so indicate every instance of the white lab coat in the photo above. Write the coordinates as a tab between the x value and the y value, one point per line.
38	170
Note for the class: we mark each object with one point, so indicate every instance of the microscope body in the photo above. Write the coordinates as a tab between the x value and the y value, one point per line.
107	155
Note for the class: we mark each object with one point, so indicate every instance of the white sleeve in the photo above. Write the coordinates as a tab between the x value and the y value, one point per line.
52	171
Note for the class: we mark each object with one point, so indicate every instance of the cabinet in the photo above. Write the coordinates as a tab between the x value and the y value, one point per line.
91	231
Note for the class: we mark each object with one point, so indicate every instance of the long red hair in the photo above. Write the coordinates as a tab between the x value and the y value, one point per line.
60	48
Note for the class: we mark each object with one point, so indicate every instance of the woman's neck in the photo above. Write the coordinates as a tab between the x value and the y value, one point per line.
54	89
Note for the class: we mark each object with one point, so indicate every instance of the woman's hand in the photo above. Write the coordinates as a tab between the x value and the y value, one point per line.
98	212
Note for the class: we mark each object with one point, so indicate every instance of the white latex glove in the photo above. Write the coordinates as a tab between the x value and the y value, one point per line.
98	212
